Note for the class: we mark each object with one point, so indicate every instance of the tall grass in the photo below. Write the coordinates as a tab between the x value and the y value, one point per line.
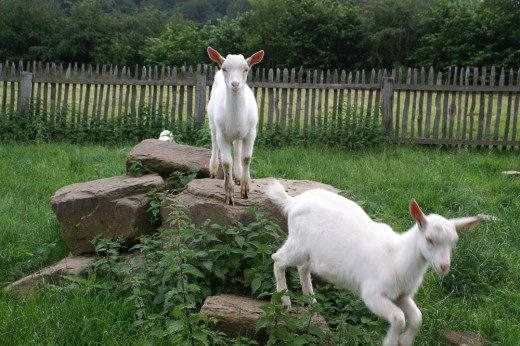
481	293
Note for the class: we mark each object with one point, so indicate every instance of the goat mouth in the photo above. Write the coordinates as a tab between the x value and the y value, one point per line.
441	271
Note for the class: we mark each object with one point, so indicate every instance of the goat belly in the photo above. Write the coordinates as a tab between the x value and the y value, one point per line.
346	282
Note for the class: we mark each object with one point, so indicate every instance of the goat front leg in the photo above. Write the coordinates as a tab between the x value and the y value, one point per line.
414	315
213	162
227	162
385	308
237	162
247	155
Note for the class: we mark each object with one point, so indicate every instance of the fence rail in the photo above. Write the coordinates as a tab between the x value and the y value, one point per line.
459	106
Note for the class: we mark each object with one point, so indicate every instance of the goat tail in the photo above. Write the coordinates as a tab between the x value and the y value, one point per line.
276	193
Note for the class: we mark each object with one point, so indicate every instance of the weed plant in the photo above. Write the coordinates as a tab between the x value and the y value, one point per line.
351	129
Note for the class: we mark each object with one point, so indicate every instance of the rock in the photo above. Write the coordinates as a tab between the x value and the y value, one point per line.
237	316
116	207
164	157
72	265
204	199
462	339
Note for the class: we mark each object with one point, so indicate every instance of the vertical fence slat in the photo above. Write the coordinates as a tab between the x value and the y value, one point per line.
283	111
414	104
489	114
174	95
517	105
449	106
481	113
306	113
509	106
335	98
406	106
459	105
498	113
290	110
438	109
270	99
341	97
387	96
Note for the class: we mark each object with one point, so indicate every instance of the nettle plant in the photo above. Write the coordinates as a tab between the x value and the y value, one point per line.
171	273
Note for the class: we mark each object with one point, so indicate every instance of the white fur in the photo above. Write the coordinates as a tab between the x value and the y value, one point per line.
232	114
166	136
334	238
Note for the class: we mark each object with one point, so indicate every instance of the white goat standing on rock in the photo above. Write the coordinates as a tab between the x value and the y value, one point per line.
232	114
334	238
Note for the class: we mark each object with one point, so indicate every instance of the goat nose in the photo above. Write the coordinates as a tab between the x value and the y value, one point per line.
444	268
235	85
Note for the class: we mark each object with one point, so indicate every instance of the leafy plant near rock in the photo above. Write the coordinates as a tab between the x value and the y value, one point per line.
174	271
182	180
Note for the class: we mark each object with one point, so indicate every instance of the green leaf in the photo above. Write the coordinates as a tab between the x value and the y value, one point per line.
255	284
263	322
174	326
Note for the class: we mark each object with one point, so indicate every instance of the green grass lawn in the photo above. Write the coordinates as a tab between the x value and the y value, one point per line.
481	292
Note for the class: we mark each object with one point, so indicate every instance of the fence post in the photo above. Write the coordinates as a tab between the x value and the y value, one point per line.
24	91
387	101
200	100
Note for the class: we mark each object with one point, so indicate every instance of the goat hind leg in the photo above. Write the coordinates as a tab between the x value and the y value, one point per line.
287	256
306	280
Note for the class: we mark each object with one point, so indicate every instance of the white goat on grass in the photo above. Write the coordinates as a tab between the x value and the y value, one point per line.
334	238
232	114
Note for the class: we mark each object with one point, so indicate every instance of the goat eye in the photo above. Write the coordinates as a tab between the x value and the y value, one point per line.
246	70
224	69
430	241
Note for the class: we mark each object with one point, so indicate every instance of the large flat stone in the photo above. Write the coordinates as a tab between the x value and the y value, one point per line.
72	265
165	157
204	199
115	207
237	316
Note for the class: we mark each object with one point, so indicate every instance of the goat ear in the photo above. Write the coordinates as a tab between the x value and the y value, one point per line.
466	222
215	56
417	213
255	58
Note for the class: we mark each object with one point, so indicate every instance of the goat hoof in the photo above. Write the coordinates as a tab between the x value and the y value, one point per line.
230	200
286	302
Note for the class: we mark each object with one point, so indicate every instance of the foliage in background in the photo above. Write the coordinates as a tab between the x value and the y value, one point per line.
346	34
352	128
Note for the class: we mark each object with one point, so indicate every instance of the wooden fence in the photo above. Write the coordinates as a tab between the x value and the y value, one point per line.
460	106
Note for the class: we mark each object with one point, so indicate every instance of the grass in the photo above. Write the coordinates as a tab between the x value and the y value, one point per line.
481	293
31	174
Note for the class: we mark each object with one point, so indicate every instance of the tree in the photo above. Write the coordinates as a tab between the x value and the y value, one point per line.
180	44
28	29
469	33
312	33
391	27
